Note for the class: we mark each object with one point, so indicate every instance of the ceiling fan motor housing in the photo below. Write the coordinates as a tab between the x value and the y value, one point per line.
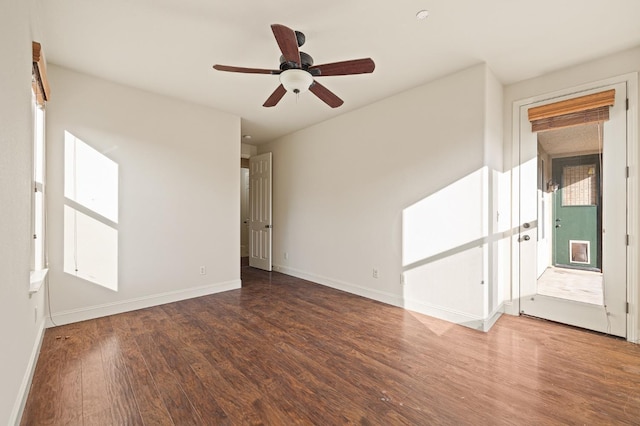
300	38
306	61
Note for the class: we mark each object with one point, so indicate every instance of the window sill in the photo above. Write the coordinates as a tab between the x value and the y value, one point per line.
36	280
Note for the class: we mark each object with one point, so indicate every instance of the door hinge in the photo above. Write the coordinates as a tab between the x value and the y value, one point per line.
628	172
627	104
628	239
627	307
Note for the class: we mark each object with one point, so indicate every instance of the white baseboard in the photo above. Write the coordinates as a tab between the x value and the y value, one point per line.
491	320
76	315
380	296
457	317
25	386
511	307
483	324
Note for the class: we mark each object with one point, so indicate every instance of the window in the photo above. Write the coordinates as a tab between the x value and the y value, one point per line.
580	185
38	220
40	93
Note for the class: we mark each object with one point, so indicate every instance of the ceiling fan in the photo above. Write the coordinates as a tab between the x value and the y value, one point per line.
297	72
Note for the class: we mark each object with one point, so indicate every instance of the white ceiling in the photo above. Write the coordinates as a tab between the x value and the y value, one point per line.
169	46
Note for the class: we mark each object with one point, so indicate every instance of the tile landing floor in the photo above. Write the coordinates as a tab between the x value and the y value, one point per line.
572	284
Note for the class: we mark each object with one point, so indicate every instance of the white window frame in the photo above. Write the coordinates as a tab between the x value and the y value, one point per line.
38	199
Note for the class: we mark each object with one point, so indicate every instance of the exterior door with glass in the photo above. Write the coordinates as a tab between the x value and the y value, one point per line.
573	222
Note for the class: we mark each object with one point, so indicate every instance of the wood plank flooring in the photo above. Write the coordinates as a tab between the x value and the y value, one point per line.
283	351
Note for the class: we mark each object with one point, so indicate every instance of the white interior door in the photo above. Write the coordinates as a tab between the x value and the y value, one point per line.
260	225
244	212
610	316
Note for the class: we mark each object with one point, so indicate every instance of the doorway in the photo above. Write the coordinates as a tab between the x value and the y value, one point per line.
255	211
260	211
570	213
577	210
244	212
573	215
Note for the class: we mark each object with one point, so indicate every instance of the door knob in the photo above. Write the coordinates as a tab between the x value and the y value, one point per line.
558	226
526	225
526	238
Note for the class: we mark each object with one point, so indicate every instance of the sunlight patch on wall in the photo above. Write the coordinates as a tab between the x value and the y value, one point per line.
90	178
90	249
450	218
90	214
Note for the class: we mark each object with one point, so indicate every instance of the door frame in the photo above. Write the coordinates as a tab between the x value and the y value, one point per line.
633	197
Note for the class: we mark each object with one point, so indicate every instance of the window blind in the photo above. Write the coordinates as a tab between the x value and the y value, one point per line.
572	112
40	82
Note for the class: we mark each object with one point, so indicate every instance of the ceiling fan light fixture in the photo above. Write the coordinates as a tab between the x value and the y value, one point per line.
296	80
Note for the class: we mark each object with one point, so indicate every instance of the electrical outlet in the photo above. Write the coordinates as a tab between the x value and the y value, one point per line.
402	279
36	315
286	256
203	270
375	273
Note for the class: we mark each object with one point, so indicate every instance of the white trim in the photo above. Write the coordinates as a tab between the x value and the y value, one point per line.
380	296
76	315
36	279
25	386
633	200
633	212
511	308
491	320
446	314
457	317
395	300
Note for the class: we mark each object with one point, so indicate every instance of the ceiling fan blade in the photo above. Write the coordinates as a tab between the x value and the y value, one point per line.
287	42
326	95
229	68
355	66
275	97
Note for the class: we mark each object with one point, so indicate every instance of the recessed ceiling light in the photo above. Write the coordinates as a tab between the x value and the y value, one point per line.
422	14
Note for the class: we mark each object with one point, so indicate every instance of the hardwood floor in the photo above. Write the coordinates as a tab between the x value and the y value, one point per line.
285	351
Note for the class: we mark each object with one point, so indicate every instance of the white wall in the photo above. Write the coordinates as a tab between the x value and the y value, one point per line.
342	187
21	315
178	193
247	150
604	68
